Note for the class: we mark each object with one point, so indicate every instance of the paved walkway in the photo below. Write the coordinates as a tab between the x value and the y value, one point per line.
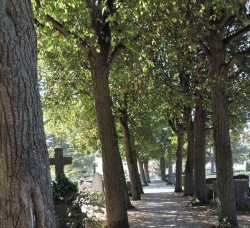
162	207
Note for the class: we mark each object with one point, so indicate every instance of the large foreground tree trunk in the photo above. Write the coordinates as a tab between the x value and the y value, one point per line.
223	152
114	178
200	192
189	168
24	163
179	153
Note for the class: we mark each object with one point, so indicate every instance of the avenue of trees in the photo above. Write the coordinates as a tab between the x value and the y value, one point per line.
137	80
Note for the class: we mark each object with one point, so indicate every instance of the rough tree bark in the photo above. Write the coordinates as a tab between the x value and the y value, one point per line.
223	152
200	192
189	168
24	162
114	178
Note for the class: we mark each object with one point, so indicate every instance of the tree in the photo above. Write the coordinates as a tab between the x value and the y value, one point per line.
25	174
214	27
88	25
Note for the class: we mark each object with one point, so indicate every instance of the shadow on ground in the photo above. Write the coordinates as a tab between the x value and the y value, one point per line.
161	207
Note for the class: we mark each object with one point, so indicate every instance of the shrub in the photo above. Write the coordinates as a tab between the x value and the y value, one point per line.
63	188
84	208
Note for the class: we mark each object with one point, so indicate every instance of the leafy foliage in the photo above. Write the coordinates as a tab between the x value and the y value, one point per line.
86	205
63	189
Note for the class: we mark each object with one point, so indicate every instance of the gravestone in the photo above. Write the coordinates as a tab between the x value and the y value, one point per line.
59	161
61	209
97	183
82	184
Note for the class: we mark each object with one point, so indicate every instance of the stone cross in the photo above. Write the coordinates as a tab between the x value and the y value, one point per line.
59	161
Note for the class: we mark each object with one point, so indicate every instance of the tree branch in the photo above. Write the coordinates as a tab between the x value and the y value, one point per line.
60	28
236	35
236	57
114	54
226	21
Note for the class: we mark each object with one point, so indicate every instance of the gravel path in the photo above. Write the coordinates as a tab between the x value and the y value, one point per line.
162	207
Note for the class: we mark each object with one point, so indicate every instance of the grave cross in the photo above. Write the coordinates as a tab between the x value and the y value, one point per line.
59	161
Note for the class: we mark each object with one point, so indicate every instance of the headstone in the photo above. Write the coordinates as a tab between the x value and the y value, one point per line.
82	184
59	161
97	183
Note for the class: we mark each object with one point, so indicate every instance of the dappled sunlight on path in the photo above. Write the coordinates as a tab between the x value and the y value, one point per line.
162	207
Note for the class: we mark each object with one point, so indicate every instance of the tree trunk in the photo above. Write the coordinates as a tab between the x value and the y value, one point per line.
179	153
212	162
130	158
189	168
163	168
114	178
223	152
142	173
135	160
24	163
145	165
200	192
170	169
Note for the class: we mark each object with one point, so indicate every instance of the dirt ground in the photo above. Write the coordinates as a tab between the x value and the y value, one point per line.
162	207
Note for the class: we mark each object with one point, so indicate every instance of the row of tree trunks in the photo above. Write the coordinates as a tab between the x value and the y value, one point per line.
24	161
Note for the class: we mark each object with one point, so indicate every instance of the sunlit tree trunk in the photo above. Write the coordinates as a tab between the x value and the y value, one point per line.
24	163
142	173
114	178
145	166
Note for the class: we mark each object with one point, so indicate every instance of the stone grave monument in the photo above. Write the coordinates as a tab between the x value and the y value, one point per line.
59	161
97	183
82	184
61	209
